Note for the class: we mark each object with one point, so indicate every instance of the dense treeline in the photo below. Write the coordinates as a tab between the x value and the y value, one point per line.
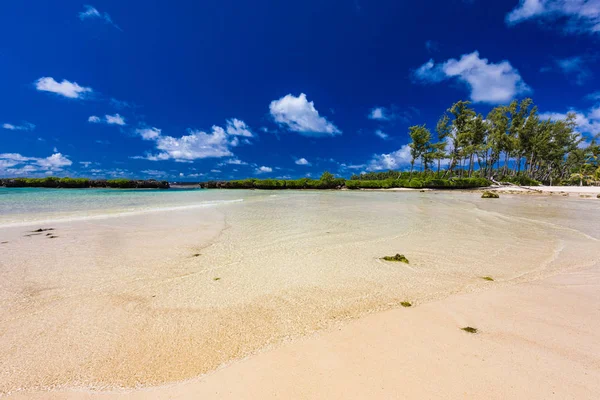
512	143
52	182
328	181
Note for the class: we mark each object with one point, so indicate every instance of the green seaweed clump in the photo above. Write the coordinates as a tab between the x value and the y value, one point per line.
406	304
489	195
487	278
396	258
469	329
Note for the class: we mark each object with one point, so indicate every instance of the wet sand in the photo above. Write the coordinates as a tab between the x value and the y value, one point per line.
145	300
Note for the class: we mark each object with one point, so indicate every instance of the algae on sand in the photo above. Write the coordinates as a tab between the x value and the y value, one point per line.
396	258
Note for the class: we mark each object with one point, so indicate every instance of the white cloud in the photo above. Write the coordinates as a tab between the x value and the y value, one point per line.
381	134
115	120
65	88
232	161
55	162
395	160
302	161
595	113
264	170
587	123
14	164
215	171
488	82
194	146
108	119
25	126
197	144
300	115
92	13
379	114
148	133
579	15
154	173
236	127
85	164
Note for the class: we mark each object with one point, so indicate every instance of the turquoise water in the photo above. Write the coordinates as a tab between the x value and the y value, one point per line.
23	205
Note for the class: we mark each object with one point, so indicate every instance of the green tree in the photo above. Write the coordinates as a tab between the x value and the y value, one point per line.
421	141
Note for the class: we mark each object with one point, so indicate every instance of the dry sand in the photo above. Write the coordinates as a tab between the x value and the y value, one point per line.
582	191
536	340
124	303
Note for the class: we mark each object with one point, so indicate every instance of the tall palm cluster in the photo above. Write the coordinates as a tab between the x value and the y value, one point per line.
511	143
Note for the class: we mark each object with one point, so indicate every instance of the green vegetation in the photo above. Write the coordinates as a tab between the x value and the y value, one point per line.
216	279
417	183
406	304
490	195
396	258
72	183
487	278
469	329
327	181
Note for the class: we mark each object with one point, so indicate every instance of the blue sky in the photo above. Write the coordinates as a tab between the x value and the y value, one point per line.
225	89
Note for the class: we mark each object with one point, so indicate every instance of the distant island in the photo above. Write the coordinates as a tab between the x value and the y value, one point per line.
82	183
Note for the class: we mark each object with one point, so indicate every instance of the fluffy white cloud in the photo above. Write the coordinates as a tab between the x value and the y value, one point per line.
14	164
587	122
91	13
264	170
25	126
395	160
300	115
379	114
302	161
196	144
381	134
65	88
236	127
108	119
488	82
579	15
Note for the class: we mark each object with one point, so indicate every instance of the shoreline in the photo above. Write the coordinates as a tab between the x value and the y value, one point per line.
363	357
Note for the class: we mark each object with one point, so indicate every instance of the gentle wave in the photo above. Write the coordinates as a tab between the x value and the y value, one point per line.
109	214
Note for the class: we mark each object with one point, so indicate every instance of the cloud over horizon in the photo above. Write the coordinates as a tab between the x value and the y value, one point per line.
196	144
488	82
15	164
299	115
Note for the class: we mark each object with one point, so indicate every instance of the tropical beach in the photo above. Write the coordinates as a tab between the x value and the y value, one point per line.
107	304
299	200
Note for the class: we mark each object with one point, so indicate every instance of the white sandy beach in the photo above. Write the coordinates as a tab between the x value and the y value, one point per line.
292	284
536	340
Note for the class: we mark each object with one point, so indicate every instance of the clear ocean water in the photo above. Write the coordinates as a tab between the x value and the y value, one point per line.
28	205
